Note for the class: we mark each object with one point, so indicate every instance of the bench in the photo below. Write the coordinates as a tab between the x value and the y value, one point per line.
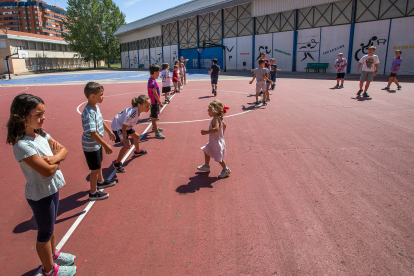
140	66
317	67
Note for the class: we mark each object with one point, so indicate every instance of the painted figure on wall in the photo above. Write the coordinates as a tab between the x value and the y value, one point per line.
264	49
307	48
364	47
229	50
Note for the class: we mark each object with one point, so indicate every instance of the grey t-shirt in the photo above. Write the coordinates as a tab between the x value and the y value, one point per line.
37	186
258	72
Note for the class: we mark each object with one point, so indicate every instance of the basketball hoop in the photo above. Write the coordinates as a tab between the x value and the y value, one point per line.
23	54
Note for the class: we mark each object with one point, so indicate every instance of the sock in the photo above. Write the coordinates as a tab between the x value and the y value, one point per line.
48	273
102	182
226	168
94	192
207	165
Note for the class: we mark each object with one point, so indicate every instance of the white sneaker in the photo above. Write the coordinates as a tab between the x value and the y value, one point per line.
224	173
203	168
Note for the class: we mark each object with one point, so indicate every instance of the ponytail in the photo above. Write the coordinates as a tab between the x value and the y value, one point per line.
139	100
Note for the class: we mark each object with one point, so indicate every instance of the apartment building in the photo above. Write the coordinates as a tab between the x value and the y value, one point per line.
32	16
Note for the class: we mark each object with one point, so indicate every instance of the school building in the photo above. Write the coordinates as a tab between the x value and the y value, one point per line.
40	52
293	32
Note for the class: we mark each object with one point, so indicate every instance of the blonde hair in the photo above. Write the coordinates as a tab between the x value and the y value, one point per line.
217	107
139	100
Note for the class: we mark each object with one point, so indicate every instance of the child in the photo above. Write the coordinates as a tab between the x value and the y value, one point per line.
340	66
184	61
369	70
182	73
215	70
92	142
273	73
395	69
39	156
122	127
154	95
166	85
260	74
176	80
216	147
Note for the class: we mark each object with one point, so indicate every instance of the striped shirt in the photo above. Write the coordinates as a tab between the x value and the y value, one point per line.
92	121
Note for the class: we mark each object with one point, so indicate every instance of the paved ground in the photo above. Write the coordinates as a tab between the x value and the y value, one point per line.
321	184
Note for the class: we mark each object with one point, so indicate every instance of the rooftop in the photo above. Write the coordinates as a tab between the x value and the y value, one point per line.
17	35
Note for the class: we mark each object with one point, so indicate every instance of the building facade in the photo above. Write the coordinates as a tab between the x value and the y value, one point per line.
32	16
40	53
293	32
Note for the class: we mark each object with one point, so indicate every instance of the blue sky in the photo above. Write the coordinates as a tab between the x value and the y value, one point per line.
133	9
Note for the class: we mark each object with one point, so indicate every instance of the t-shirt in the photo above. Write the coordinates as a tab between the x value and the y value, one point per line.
37	186
181	69
127	117
153	84
395	62
166	81
368	62
259	72
273	71
340	65
216	69
176	78
92	121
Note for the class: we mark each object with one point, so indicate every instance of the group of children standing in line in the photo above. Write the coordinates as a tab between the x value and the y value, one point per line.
39	155
369	65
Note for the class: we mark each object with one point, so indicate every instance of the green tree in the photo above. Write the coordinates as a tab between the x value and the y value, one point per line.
91	24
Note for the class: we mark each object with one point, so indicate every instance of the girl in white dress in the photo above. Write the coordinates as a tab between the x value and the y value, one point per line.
216	147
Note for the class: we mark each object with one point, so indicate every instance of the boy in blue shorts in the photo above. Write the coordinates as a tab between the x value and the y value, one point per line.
395	69
92	142
273	73
154	95
215	70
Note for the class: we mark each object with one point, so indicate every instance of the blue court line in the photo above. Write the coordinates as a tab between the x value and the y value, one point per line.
116	76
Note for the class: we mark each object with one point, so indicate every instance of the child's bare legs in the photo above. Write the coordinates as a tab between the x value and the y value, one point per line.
267	94
264	95
366	86
122	153
361	83
396	81
135	136
337	81
45	252
206	159
342	81
95	176
154	124
223	164
257	96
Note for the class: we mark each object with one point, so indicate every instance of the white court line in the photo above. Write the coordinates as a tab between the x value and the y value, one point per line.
91	203
27	88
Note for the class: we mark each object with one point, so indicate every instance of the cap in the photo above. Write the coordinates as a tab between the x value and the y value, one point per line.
340	54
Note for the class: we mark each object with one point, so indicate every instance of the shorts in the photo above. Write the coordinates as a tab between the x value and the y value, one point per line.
166	89
94	159
393	75
155	109
367	76
45	212
340	75
214	80
175	85
260	86
118	134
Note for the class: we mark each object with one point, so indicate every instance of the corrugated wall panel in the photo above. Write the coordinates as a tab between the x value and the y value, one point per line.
265	7
141	34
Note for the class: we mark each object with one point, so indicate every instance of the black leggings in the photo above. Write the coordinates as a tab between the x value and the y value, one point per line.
45	213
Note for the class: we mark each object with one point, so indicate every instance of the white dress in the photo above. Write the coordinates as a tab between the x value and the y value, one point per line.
216	147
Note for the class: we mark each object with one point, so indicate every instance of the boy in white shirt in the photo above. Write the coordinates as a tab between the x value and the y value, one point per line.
166	83
369	70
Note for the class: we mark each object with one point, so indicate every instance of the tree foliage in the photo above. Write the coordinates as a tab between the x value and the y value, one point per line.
91	25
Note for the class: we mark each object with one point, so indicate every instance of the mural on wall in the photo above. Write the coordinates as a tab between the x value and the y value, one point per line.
283	50
334	40
124	59
230	56
174	53
263	44
363	50
167	55
133	59
146	58
308	48
231	52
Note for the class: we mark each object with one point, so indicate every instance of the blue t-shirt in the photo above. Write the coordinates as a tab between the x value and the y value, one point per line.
273	71
216	69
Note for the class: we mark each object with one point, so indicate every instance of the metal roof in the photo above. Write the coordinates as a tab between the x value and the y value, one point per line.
189	9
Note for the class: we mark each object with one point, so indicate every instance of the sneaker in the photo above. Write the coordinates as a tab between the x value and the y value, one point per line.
341	86
386	88
159	129
257	103
62	270
118	166
224	173
365	95
212	91
203	168
359	92
215	93
65	259
106	184
267	100
98	195
139	153
399	87
159	136
265	103
336	86
273	86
